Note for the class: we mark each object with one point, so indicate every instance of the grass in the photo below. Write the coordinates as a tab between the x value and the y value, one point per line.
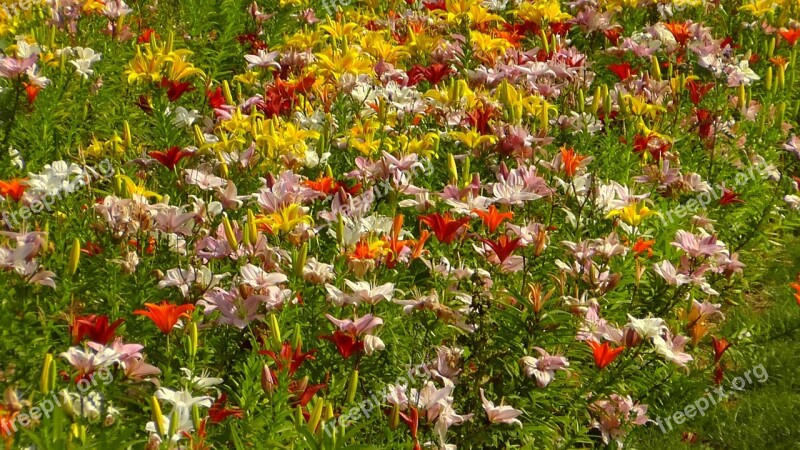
763	415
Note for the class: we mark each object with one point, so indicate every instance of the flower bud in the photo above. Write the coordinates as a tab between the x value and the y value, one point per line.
352	386
300	261
394	417
158	417
276	331
74	257
45	386
229	234
316	415
268	380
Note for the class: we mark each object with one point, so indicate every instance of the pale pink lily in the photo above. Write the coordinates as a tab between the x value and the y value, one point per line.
544	367
360	326
500	414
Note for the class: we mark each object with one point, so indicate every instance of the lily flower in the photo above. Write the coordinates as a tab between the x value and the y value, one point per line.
165	315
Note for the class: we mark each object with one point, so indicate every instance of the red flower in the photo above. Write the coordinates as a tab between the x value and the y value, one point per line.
623	71
680	30
171	157
412	422
480	119
346	344
175	89
560	28
165	315
288	357
96	328
144	104
728	197
13	188
215	98
433	74
32	91
705	123
91	249
326	185
444	227
698	90
604	354
791	36
302	393
720	345
493	218
218	412
718	375
503	248
612	34
147	33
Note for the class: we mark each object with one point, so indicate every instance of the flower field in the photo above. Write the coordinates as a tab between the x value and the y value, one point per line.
440	224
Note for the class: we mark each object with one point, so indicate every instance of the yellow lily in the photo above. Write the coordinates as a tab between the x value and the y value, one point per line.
631	215
134	189
285	219
472	139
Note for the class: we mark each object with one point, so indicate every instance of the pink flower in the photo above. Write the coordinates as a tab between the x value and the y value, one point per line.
544	367
358	327
500	414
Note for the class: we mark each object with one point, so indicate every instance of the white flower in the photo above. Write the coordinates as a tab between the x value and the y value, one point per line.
182	117
373	344
85	57
500	414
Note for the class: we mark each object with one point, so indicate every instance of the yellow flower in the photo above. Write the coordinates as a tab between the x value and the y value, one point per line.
472	139
333	64
285	219
134	189
457	92
248	78
145	66
547	10
631	215
283	138
376	46
488	45
363	136
338	30
639	106
180	69
759	7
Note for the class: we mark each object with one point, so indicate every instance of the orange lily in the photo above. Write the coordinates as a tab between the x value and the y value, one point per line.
165	315
493	218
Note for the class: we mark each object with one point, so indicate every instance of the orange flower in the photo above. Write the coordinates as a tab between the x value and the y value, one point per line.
13	188
680	31
796	287
326	185
641	246
604	354
165	315
493	218
571	160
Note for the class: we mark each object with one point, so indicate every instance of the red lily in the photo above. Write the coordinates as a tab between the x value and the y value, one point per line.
728	197
412	422
479	119
433	74
604	354
176	89
147	33
720	345
218	412
171	157
791	36
165	315
215	98
444	227
302	393
13	188
503	248
718	375
613	34
346	344
623	70
96	328
705	123
493	218
32	91
288	357
698	90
